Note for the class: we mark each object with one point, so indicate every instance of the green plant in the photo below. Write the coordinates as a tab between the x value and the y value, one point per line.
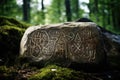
53	72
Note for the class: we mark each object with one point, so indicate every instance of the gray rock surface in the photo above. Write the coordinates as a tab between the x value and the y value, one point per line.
79	42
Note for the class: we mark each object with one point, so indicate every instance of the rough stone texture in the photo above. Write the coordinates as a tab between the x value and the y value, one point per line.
112	46
79	42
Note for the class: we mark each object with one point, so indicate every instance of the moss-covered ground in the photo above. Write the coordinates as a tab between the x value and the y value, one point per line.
12	67
54	72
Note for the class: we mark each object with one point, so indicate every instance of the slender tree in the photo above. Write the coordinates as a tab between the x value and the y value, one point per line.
118	13
103	13
26	10
75	9
109	12
96	9
68	10
42	4
56	12
42	12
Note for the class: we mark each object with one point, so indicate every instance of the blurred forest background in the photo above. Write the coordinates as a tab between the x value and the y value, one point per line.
105	13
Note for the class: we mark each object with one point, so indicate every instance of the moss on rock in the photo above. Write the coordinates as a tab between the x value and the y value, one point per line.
53	72
11	32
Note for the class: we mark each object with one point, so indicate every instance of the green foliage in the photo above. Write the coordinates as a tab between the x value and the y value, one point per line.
7	73
56	12
11	32
106	14
3	69
75	9
53	72
9	8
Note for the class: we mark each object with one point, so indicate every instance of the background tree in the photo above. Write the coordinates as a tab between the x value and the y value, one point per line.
43	11
26	10
115	8
68	10
8	8
103	12
56	12
75	9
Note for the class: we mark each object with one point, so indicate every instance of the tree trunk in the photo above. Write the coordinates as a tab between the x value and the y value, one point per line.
109	13
59	10
75	9
42	4
68	10
96	10
26	10
42	12
118	14
103	16
113	19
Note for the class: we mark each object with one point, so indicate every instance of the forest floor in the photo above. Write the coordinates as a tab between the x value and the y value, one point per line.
53	72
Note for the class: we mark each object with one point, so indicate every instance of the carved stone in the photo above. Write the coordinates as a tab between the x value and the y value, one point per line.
79	42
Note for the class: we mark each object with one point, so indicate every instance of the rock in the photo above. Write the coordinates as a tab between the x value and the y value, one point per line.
11	32
79	42
111	43
112	46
